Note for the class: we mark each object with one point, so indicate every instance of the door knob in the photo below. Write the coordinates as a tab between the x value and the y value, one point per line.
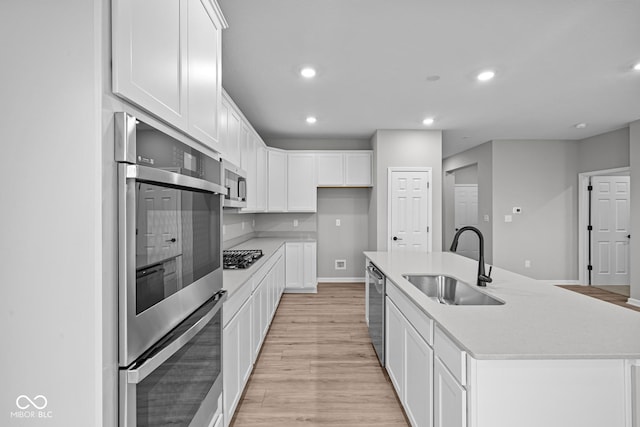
396	238
173	240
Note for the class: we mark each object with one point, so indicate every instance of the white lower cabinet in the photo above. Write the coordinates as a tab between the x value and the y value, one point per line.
236	360
244	333
409	362
449	399
301	267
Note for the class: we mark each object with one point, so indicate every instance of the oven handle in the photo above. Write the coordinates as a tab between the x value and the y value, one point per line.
153	175
139	373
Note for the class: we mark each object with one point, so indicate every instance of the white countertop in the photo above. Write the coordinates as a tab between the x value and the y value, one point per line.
537	321
232	280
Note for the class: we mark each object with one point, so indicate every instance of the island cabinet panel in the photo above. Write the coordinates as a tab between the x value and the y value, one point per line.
409	362
167	60
449	399
585	393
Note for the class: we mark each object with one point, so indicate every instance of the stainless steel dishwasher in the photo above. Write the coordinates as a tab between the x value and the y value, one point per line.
376	284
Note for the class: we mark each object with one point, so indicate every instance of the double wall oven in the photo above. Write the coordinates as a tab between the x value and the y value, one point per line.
170	279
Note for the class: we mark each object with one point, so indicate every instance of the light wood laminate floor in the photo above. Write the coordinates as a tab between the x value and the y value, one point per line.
317	367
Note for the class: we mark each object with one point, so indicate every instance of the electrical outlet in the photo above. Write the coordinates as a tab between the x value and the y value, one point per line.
527	263
224	229
486	218
508	218
295	222
243	225
341	264
253	223
337	223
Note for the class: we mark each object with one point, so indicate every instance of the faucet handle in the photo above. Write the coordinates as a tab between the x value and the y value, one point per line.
490	269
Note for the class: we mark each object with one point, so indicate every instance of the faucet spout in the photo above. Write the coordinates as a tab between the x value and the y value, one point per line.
483	278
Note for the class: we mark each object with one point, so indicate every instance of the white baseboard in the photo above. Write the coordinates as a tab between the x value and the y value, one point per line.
341	279
633	301
561	282
300	290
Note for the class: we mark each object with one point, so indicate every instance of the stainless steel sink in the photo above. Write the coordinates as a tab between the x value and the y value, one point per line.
449	290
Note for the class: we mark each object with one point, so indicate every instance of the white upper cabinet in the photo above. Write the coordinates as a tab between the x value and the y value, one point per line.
204	44
301	182
248	161
344	168
277	180
230	131
358	169
330	169
261	176
167	60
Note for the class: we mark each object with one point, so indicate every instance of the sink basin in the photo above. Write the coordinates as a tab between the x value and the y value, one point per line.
449	290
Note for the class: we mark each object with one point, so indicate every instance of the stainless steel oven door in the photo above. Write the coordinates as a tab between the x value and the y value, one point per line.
170	253
179	381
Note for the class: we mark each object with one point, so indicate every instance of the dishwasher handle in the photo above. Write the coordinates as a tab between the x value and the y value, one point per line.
374	272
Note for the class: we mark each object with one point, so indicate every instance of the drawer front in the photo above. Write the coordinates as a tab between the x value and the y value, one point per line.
451	356
420	321
235	301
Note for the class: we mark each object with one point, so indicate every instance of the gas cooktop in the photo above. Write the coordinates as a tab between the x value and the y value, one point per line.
240	259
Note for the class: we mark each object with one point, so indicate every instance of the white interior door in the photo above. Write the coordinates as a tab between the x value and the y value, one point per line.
610	236
466	213
409	213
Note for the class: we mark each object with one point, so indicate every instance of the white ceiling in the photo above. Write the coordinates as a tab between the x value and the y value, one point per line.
557	63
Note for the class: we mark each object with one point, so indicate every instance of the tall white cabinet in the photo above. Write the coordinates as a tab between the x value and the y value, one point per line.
301	182
159	49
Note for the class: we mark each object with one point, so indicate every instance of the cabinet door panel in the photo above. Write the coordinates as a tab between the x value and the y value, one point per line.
358	169
277	181
204	73
309	265
294	265
301	183
245	361
149	56
450	398
230	363
261	178
394	347
418	379
330	169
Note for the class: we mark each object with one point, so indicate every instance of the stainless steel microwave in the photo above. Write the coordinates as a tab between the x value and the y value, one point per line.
235	181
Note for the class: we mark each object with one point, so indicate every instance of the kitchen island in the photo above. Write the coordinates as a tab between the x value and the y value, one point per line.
546	357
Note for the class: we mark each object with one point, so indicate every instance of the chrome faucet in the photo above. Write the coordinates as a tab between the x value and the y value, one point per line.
483	278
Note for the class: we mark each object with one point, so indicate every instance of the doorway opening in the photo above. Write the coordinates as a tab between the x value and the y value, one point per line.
604	235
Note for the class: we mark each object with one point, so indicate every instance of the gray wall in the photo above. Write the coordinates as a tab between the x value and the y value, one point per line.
541	178
347	241
318	143
606	151
467	175
634	154
402	148
281	225
482	157
50	123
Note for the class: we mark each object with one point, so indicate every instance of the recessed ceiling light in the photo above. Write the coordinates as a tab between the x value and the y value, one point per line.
636	67
428	121
581	126
486	75
308	72
311	120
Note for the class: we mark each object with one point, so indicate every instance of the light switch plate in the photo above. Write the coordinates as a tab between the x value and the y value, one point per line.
337	223
295	222
508	218
486	218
